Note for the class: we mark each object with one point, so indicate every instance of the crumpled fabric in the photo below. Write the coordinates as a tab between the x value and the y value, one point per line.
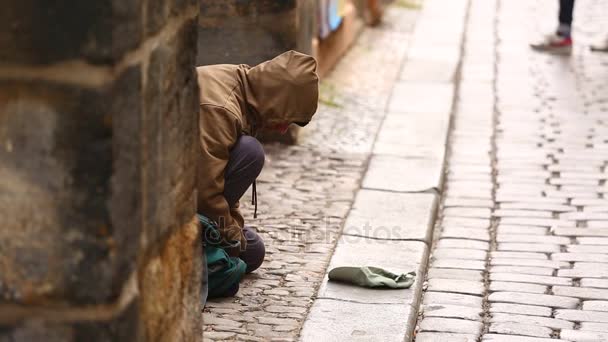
372	277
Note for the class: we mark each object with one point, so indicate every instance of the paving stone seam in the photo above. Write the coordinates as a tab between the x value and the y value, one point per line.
487	316
412	325
423	266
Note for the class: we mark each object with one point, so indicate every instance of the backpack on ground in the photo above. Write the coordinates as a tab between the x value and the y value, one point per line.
223	271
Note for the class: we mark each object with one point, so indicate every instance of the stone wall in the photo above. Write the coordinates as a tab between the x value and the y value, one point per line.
252	31
98	132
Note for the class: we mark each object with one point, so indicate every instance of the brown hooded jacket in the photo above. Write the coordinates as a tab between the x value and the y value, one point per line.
237	100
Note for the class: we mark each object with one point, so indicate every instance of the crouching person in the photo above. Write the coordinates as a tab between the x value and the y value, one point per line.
236	101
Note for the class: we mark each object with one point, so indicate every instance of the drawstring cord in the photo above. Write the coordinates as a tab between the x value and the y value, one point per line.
254	192
254	200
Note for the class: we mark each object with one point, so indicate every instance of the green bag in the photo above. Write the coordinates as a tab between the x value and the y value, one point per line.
223	271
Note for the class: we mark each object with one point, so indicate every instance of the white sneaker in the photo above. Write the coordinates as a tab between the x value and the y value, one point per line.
601	46
554	44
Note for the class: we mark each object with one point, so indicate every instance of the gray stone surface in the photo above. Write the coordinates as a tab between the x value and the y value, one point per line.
534	299
582	316
595	305
434	298
528	278
451	325
532	320
591	282
456	285
580	292
444	337
499	261
413	135
583	336
451	273
544	271
480	234
418	97
459	253
460	243
513	338
511	328
395	216
496	286
452	311
590	326
392	173
521	309
332	320
518	255
528	247
462	264
429	70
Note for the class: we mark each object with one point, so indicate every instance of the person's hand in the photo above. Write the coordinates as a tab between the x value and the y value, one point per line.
233	252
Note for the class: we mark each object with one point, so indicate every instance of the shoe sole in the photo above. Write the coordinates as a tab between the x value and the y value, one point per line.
599	49
565	50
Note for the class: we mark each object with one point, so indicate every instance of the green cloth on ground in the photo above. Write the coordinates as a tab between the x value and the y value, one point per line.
369	276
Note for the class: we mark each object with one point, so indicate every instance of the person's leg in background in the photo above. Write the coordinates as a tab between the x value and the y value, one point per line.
561	41
245	164
566	10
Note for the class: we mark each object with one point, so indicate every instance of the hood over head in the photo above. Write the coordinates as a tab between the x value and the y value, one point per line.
284	89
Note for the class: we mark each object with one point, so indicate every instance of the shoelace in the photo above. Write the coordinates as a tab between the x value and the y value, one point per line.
254	199
254	191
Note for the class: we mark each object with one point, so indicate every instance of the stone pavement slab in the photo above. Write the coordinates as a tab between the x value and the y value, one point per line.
391	173
521	309
421	97
410	135
445	337
451	325
392	216
513	338
583	336
333	320
451	311
520	329
429	70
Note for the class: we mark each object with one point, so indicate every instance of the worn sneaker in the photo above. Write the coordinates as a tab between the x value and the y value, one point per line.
554	44
600	46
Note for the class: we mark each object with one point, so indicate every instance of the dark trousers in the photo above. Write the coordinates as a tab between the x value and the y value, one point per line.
566	8
245	164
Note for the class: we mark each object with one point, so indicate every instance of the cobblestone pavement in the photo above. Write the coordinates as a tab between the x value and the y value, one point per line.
521	246
306	191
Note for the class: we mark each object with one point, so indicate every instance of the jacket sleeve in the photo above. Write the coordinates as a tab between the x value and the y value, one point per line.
218	132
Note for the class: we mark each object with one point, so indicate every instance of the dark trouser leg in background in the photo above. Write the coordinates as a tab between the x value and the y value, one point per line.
245	164
566	9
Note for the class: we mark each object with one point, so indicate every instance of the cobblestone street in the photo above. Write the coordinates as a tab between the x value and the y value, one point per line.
521	242
519	248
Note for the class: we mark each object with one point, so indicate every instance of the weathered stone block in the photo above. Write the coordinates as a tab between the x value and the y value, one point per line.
42	32
171	136
69	180
251	31
170	288
123	327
